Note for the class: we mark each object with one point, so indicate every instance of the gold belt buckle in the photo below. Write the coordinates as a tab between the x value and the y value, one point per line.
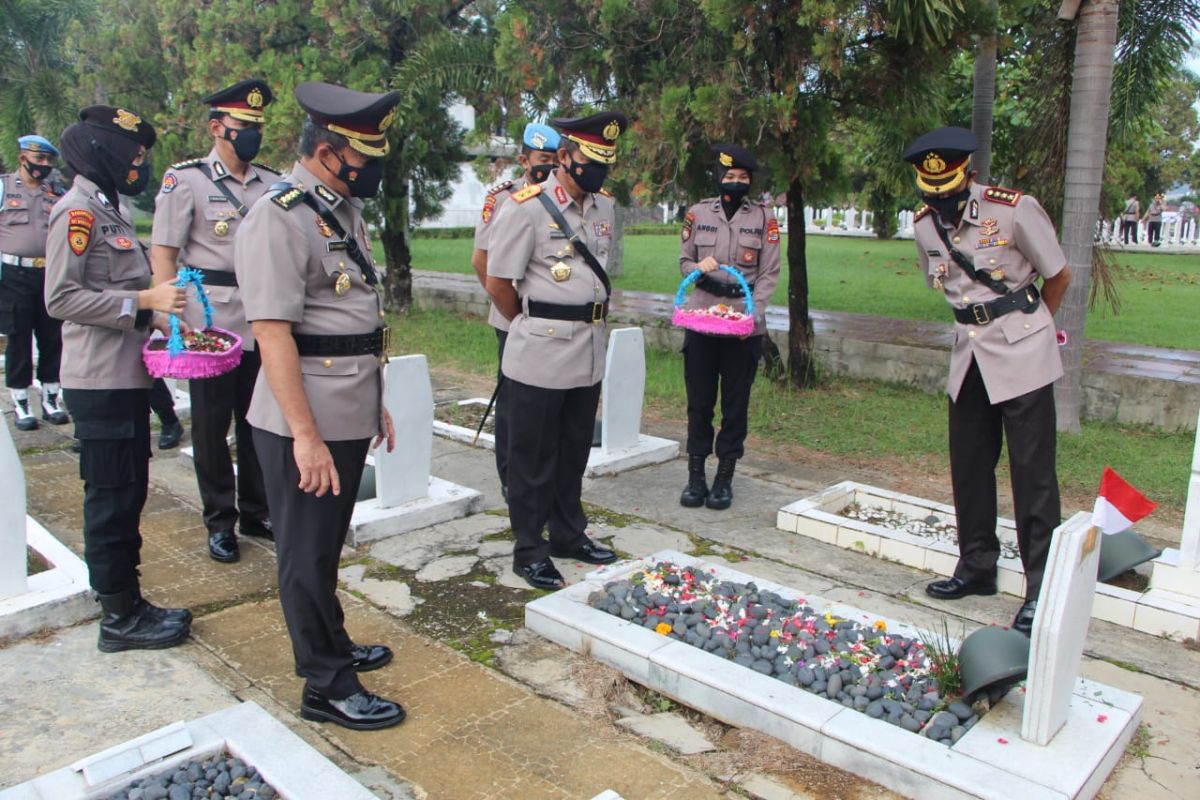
980	312
597	313
386	336
39	263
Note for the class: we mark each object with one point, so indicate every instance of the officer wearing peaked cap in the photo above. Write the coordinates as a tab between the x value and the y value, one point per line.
198	210
538	158
26	198
546	276
726	229
984	248
309	288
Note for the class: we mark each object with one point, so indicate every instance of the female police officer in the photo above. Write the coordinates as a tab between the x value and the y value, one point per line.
97	276
726	229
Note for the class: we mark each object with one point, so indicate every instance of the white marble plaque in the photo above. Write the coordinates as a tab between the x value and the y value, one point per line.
12	517
403	475
1060	627
1189	545
624	386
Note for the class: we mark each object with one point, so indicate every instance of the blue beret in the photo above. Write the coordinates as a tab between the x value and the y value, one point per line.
540	137
37	144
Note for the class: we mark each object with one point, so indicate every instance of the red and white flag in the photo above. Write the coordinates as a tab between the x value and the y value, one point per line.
1119	504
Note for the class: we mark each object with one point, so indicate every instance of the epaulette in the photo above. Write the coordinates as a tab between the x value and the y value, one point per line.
532	190
191	162
500	187
267	167
1007	197
288	196
922	212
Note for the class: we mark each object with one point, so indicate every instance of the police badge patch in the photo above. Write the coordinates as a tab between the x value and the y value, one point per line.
688	221
169	183
79	229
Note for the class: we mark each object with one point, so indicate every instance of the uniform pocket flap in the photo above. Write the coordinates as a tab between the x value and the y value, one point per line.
750	240
15	216
213	214
337	262
706	238
549	328
329	365
220	294
1018	326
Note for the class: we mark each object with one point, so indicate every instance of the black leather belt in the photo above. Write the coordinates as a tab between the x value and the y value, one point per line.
215	277
361	344
587	312
721	288
1026	300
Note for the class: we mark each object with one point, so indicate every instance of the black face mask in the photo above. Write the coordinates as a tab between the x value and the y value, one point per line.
135	180
39	172
734	192
590	176
246	142
539	172
949	207
361	181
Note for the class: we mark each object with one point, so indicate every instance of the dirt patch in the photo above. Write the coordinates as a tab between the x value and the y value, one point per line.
465	416
34	563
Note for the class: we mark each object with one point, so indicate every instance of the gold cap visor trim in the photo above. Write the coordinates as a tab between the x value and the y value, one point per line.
595	152
244	114
942	184
375	146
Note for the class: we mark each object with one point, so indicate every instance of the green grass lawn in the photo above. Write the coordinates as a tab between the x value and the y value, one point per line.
856	420
1159	293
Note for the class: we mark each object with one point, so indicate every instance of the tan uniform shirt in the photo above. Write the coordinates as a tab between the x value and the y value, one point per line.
496	198
24	216
524	245
288	267
1133	210
1155	211
192	214
95	268
1017	352
749	241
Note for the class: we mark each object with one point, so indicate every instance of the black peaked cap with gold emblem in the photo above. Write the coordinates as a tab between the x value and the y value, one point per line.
120	121
362	117
596	135
731	156
245	100
940	158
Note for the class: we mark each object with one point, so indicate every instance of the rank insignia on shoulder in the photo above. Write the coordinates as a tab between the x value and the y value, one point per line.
773	231
267	167
924	210
288	198
532	190
560	194
1007	197
604	192
500	187
326	194
489	208
191	162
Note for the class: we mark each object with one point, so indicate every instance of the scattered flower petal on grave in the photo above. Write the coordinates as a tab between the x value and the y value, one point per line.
662	628
1102	718
1002	740
880	625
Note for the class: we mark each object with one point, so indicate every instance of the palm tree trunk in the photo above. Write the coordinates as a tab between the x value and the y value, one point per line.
1087	137
984	101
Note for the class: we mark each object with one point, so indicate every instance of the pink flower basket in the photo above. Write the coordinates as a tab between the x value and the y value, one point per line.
719	320
200	354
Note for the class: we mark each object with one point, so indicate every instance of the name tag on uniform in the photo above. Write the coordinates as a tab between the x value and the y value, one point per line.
933	253
751	231
216	198
711	228
333	247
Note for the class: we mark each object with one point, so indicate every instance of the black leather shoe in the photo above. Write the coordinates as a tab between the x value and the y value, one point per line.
124	626
541	575
370	656
954	588
257	527
588	553
361	711
1024	619
170	435
223	547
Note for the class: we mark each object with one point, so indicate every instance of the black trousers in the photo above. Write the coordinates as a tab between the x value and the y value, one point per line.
162	402
215	402
549	440
113	428
1129	230
729	363
1154	233
976	430
500	412
23	316
309	534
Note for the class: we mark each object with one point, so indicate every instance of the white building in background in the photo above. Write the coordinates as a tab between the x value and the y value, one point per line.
462	208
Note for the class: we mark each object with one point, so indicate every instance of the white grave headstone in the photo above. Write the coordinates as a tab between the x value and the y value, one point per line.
1060	627
403	475
624	386
12	517
1189	544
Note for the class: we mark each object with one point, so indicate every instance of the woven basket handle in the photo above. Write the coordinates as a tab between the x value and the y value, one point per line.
188	277
694	276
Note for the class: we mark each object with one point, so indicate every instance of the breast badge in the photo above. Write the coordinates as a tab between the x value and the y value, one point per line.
342	284
997	274
221	228
937	283
989	227
324	228
560	271
748	257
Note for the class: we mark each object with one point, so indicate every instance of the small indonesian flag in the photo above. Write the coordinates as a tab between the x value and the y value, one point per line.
1119	504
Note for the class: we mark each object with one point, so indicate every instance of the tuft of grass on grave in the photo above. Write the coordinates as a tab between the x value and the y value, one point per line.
943	659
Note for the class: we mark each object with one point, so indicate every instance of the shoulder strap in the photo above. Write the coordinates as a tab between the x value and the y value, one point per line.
352	248
266	167
578	243
192	162
967	265
223	189
286	196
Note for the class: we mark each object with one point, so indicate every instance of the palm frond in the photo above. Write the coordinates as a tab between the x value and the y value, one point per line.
1153	38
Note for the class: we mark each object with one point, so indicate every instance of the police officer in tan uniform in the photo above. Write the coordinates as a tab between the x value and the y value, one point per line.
26	197
97	276
538	158
310	290
198	210
557	304
727	229
984	247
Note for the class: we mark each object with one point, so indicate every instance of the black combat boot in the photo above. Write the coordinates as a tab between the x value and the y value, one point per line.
697	486
124	626
721	496
178	615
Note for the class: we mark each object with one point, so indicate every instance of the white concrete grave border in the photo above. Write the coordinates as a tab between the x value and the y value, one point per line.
246	731
55	598
989	761
1157	611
